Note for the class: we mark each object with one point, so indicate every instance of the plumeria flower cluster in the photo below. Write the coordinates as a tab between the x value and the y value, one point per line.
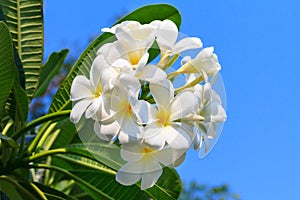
135	103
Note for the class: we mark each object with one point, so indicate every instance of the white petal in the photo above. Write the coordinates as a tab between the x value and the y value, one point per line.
122	65
154	136
197	139
132	152
182	105
129	82
124	34
106	132
141	64
93	108
168	156
109	76
130	127
150	178
152	73
125	138
184	60
81	88
78	109
187	44
177	137
162	92
110	51
134	167
96	70
126	178
145	111
167	34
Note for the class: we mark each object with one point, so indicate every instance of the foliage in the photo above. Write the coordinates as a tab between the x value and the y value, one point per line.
54	164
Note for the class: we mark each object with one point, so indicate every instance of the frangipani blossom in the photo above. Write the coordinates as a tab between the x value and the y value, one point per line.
134	40
88	94
128	113
206	61
166	127
145	162
167	36
129	54
211	109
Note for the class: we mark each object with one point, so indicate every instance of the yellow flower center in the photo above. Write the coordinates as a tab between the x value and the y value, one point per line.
163	118
135	56
147	150
98	91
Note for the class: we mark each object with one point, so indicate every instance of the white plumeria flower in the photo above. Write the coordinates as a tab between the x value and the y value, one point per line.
206	61
89	94
128	113
121	63
145	162
167	36
134	40
165	128
211	109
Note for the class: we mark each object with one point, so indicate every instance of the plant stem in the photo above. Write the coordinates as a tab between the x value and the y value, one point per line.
47	118
50	117
44	137
72	176
172	61
7	126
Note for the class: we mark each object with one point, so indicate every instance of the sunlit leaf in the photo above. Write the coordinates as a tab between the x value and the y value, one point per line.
25	21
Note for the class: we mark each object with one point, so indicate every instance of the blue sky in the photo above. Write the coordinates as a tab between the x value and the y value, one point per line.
258	47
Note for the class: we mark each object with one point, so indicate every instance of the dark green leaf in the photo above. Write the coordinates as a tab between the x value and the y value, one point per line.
49	70
25	22
9	141
106	183
9	190
53	194
7	64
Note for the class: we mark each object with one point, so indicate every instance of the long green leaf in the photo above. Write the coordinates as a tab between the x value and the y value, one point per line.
49	70
25	21
107	184
53	194
16	101
144	15
6	64
9	190
9	141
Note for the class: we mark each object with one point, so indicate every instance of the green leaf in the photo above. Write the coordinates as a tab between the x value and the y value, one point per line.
107	184
63	135
50	69
17	104
16	187
6	64
9	141
16	101
25	21
144	15
9	190
149	13
53	194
